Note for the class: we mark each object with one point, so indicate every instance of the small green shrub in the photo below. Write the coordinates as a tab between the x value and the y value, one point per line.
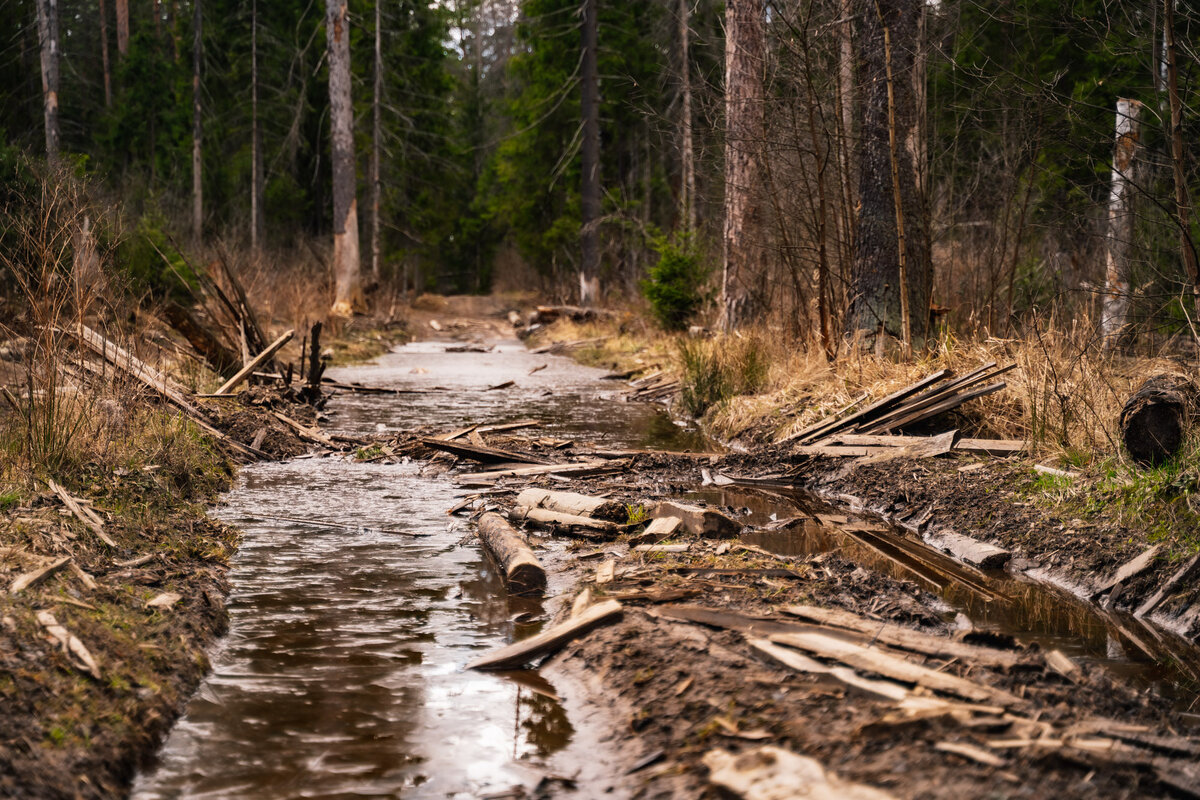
675	286
716	370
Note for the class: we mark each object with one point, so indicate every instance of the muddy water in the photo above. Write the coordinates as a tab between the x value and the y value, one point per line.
342	674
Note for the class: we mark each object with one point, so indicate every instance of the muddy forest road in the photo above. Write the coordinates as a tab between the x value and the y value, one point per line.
357	602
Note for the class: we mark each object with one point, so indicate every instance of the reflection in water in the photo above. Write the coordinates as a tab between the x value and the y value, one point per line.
342	672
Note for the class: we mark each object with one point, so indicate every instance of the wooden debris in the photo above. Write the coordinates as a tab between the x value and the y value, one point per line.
978	554
538	368
706	522
499	386
659	529
772	773
1058	473
24	581
519	654
92	522
992	447
71	646
559	520
558	347
1130	569
87	580
880	663
304	432
486	455
1061	663
522	571
164	600
606	572
1184	572
661	548
256	362
580	505
580	469
882	690
582	601
971	753
905	638
876	409
136	562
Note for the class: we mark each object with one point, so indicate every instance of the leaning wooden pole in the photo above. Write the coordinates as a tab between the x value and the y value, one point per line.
1114	313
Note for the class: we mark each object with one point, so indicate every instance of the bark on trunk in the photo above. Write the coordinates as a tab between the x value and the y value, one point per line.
1183	204
104	54
122	28
47	14
589	234
743	271
348	296
1114	314
522	571
687	148
1156	419
197	183
377	141
875	311
256	163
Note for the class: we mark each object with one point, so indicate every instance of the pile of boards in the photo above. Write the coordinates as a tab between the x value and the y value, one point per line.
870	429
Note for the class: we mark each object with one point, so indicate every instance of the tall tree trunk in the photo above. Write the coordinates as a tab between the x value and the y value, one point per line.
197	183
348	295
256	160
744	262
687	148
1183	204
377	141
589	234
122	28
47	17
104	54
1114	314
891	211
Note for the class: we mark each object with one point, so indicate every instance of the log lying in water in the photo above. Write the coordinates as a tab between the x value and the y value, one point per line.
518	654
1155	420
580	505
523	573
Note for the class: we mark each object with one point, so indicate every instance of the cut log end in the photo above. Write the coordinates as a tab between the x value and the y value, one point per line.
1155	420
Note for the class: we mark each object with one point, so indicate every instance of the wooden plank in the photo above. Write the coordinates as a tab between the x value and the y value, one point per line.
881	405
94	525
905	638
1181	575
486	455
523	573
25	580
900	420
978	554
581	469
554	638
826	422
256	362
1132	568
880	663
992	447
559	519
883	690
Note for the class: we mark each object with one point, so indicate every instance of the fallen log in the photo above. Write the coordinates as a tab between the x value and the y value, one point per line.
519	654
1156	418
580	505
523	573
578	469
873	411
558	519
486	455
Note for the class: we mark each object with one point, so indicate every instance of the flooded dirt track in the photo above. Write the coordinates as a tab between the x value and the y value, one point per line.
342	674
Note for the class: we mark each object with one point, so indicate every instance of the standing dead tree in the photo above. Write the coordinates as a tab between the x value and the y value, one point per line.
1114	315
348	295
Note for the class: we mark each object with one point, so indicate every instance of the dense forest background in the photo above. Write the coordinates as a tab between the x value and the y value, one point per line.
480	144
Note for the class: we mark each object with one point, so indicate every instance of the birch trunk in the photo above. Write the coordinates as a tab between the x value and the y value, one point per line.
348	297
1183	204
122	28
197	183
377	141
256	163
1114	313
889	179
47	12
589	234
687	148
743	270
104	54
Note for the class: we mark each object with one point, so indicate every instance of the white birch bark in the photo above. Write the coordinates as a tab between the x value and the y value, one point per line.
1114	314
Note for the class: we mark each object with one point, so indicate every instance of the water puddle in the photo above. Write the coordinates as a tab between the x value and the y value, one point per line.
342	674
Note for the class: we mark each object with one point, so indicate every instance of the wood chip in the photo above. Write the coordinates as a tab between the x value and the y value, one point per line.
71	646
28	579
164	600
971	752
92	522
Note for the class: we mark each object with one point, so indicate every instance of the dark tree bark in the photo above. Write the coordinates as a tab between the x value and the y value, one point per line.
256	162
687	156
1183	203
197	183
744	257
377	140
223	360
1156	419
122	28
104	54
589	234
348	296
887	202
47	18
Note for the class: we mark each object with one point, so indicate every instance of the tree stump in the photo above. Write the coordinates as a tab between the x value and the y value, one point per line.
1155	420
523	573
